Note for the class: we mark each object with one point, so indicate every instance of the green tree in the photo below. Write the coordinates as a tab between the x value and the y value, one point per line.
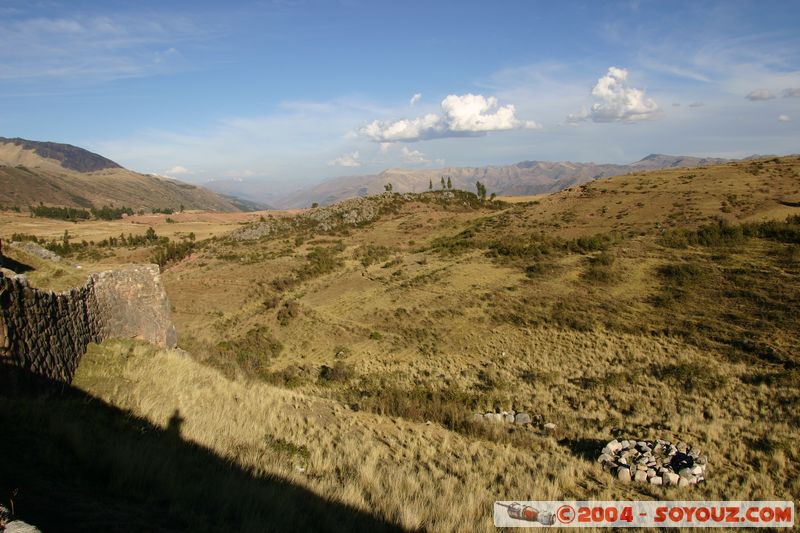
481	190
430	185
449	183
388	187
442	182
150	235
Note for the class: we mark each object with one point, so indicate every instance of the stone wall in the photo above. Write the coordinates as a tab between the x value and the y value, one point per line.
47	332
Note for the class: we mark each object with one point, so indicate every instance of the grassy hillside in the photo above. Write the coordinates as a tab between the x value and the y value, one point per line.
350	358
69	176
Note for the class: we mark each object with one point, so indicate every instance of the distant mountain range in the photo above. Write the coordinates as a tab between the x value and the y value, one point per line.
65	175
524	178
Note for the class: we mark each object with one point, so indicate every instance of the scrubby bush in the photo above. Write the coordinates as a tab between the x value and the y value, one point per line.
320	261
600	268
722	233
340	372
681	274
251	353
691	377
370	254
289	310
171	252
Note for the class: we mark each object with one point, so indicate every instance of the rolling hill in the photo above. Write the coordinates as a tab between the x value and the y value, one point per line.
524	178
64	175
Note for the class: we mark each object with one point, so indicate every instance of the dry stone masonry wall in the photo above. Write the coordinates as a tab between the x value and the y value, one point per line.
47	332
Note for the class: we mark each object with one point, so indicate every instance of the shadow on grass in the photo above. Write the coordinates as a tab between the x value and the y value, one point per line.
79	464
588	449
14	265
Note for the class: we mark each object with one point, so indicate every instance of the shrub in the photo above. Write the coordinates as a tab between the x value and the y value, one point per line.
600	268
171	252
787	231
291	376
283	283
290	310
340	372
251	353
690	377
681	274
370	254
320	261
721	233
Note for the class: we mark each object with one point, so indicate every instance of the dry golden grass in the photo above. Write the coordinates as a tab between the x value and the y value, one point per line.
407	472
647	201
202	224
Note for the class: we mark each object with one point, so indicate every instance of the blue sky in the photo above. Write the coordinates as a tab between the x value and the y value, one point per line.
293	91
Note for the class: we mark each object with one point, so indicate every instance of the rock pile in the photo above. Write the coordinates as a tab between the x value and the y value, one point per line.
513	417
658	462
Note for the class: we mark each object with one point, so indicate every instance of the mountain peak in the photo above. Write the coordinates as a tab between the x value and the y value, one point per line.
653	157
70	157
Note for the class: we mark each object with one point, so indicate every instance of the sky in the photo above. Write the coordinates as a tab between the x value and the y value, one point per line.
289	92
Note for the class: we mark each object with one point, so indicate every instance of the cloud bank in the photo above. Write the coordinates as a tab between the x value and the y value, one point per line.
413	156
177	170
760	95
616	101
352	159
461	115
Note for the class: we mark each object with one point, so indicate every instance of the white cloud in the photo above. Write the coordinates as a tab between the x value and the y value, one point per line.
416	98
119	45
784	118
760	95
177	169
413	156
384	147
791	92
462	115
351	159
616	101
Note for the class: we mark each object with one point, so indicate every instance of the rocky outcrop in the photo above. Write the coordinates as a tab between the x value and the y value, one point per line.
132	303
351	213
47	332
36	250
